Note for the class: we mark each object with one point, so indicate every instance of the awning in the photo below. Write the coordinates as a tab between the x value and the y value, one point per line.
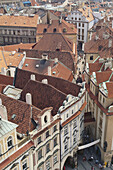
89	144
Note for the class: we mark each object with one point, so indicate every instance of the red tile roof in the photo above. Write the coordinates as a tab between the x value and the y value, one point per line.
109	86
22	111
52	42
6	80
66	58
70	29
22	78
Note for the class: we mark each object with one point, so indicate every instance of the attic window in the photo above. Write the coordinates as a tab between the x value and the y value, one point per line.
45	30
54	30
64	30
100	47
54	72
91	57
13	116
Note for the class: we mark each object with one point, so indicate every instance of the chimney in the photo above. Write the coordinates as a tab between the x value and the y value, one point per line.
33	77
56	60
49	70
110	43
73	48
50	21
112	24
45	81
3	71
108	18
28	98
3	110
96	37
88	12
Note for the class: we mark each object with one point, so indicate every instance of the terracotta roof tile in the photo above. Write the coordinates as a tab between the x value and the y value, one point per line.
70	29
52	42
21	21
22	111
16	47
22	78
44	95
66	58
109	86
6	80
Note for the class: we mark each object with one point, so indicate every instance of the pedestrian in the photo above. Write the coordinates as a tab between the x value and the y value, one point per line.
92	168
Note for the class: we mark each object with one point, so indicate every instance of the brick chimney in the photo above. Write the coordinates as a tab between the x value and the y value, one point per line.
110	43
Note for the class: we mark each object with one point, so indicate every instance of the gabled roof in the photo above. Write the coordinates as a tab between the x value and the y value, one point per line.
59	26
16	47
6	80
21	21
109	86
41	66
102	76
66	58
87	12
22	77
43	95
6	127
10	59
22	112
52	42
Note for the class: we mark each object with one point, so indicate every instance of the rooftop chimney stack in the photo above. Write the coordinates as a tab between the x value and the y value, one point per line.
3	110
29	99
3	70
33	77
49	70
56	60
110	43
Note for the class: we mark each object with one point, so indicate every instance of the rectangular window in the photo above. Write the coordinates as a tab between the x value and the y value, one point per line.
24	165
66	130
39	140
82	25
91	57
40	154
74	139
55	159
79	24
78	31
55	128
47	134
47	148
47	165
65	146
55	141
74	124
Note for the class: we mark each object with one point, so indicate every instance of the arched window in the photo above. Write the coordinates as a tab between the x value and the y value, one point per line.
9	142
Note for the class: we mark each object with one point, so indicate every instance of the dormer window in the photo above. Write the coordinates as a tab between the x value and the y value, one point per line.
64	30
10	142
45	30
54	30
